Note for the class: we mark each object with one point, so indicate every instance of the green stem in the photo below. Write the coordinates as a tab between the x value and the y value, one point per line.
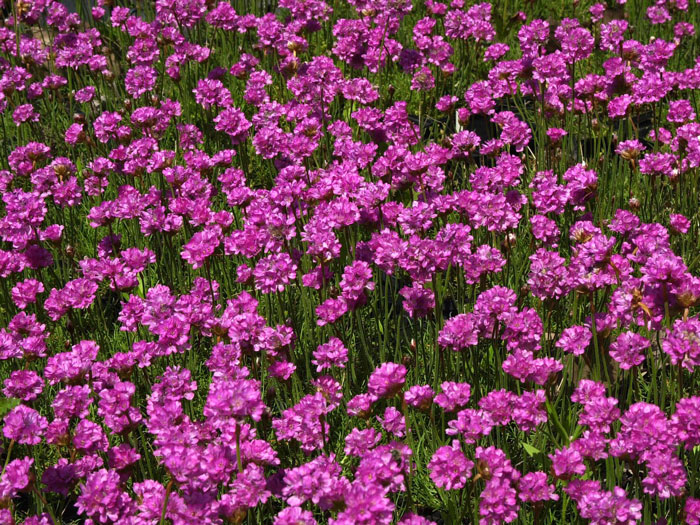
46	506
164	510
7	458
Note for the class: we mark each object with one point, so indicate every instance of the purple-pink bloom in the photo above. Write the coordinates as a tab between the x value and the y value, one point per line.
449	467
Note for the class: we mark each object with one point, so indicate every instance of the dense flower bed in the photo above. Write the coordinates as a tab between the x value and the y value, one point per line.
350	261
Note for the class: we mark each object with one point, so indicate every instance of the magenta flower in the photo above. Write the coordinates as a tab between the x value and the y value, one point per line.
294	516
116	409
393	422
358	442
274	272
330	354
682	343
630	149
574	340
604	507
459	333
305	422
499	404
645	433
24	113
85	94
140	80
418	301
629	349
365	503
449	467
103	499
17	477
556	134
533	487
680	111
686	421
23	384
24	425
453	396
471	425
318	481
239	399
666	477
419	396
360	405
692	511
232	121
679	223
567	462
528	410
201	246
386	380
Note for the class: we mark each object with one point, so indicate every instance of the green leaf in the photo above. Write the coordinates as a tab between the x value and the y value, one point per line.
557	422
7	404
532	451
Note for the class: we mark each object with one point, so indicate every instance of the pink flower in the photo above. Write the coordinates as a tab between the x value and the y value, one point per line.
449	467
386	380
418	301
333	353
575	340
459	333
232	121
679	223
274	272
24	425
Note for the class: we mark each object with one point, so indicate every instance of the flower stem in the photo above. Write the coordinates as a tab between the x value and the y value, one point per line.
7	458
164	510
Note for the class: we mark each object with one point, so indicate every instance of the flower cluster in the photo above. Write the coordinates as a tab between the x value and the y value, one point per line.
349	262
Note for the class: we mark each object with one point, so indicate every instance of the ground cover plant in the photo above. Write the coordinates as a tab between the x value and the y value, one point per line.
349	261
